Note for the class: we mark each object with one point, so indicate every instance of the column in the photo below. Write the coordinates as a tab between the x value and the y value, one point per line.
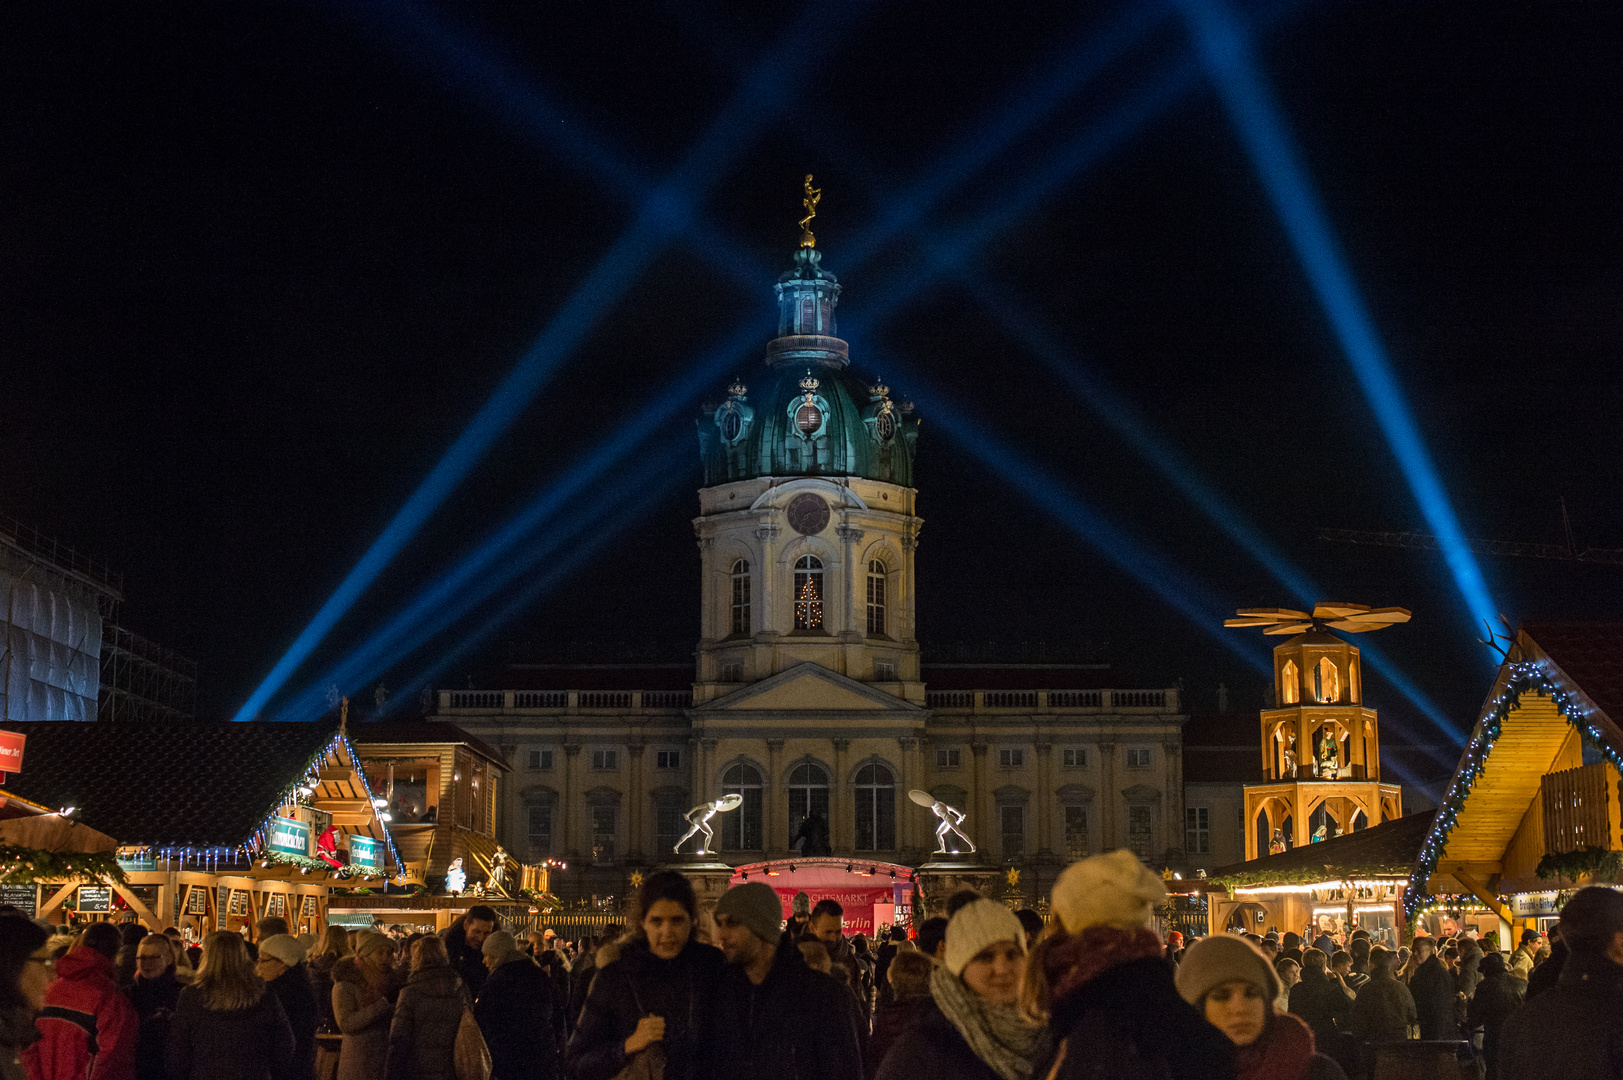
979	798
776	821
854	628
1109	841
707	778
566	839
904	806
1045	797
1173	749
766	601
842	831
634	818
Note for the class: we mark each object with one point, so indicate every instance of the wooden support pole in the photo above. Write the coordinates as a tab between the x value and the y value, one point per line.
1482	894
56	899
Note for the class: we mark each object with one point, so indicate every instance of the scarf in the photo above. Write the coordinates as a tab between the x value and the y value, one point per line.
1081	957
998	1034
1282	1053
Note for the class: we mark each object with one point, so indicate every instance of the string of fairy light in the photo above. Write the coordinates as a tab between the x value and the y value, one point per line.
1525	676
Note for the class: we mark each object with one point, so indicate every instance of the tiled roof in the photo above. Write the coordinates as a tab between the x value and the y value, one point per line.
420	731
1591	655
1389	848
167	784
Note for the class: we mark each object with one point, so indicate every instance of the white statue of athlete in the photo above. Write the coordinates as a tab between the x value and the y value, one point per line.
699	820
949	817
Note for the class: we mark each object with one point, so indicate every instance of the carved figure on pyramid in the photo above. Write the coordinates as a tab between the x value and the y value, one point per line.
1276	846
456	879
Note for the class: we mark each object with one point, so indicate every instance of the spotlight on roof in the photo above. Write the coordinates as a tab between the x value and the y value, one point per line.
67	811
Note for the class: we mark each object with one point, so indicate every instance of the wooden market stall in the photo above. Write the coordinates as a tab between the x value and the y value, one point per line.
215	826
1354	881
1533	811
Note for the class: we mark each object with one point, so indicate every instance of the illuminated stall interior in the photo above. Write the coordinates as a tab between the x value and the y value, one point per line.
1532	811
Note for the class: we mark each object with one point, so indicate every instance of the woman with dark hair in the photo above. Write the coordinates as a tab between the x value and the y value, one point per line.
25	972
651	987
227	1026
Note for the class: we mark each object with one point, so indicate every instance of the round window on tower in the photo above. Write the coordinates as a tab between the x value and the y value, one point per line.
808	418
886	426
731	425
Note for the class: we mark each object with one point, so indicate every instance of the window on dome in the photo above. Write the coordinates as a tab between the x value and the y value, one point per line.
731	425
809	593
876	598
886	426
808	418
741	596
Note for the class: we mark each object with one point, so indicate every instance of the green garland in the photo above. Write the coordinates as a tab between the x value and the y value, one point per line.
1525	676
28	866
1590	862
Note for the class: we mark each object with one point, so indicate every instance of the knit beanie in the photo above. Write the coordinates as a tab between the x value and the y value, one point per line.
498	944
282	947
801	904
757	906
977	925
370	942
1213	961
1114	889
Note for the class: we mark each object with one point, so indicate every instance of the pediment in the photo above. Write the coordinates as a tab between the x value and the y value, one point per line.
810	687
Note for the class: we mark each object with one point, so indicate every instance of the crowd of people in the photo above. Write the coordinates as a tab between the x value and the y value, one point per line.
982	992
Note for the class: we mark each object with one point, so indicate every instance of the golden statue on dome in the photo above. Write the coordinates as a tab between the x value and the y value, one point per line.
813	196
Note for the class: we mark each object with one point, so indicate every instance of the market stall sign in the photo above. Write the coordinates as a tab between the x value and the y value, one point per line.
365	852
289	836
351	918
95	898
143	860
11	751
25	898
1531	905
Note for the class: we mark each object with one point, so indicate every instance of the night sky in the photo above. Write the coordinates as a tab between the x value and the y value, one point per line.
260	265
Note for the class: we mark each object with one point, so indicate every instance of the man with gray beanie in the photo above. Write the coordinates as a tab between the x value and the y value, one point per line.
514	1011
1572	1031
774	1015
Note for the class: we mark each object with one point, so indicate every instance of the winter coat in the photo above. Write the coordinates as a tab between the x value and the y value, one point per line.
466	961
1383	1010
292	989
934	1048
1286	1051
1547	976
422	1036
17	1031
1570	1032
796	1025
154	1002
514	1011
1470	972
1319	1000
255	1043
1521	961
632	983
1128	1023
890	1022
578	983
1432	987
363	1019
1497	996
83	1006
321	984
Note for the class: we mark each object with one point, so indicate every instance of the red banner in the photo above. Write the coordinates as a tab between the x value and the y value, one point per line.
857	902
11	751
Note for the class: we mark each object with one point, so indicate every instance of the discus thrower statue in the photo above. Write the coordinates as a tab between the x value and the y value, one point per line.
950	818
699	821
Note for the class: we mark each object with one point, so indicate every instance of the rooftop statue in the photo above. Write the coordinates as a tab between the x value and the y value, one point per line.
699	821
813	196
949	817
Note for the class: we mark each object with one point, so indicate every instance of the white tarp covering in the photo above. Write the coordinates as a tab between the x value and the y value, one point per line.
50	644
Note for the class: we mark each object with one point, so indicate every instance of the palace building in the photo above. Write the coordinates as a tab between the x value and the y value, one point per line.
808	696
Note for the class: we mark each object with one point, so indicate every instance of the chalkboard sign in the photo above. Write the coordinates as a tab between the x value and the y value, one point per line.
25	898
95	898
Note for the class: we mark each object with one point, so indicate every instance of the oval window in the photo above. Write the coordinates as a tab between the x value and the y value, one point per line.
808	418
731	425
886	426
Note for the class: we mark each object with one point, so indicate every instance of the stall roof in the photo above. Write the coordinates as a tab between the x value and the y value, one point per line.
173	784
406	732
1384	850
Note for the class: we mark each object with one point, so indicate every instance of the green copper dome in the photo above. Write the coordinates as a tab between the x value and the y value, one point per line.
808	414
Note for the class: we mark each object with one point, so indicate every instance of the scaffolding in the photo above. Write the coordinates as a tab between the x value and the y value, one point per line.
143	681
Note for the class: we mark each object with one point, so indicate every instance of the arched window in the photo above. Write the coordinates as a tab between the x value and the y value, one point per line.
876	598
808	593
741	829
808	794
1290	689
1326	680
741	597
876	808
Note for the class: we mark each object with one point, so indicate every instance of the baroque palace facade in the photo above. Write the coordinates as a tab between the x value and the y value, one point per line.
808	696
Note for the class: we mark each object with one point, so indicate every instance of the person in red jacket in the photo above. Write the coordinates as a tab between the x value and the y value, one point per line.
88	1027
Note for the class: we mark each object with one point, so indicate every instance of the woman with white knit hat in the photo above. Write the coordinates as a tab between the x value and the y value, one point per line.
1104	985
1234	986
976	1031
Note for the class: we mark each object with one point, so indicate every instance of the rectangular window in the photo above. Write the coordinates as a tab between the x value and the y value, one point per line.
1197	830
1013	820
741	597
1138	757
605	759
876	818
733	672
603	829
1076	832
1138	831
1074	757
540	829
540	759
1011	757
668	759
876	599
948	759
667	826
884	670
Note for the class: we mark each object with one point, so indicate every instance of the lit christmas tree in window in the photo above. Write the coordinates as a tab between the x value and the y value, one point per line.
808	601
